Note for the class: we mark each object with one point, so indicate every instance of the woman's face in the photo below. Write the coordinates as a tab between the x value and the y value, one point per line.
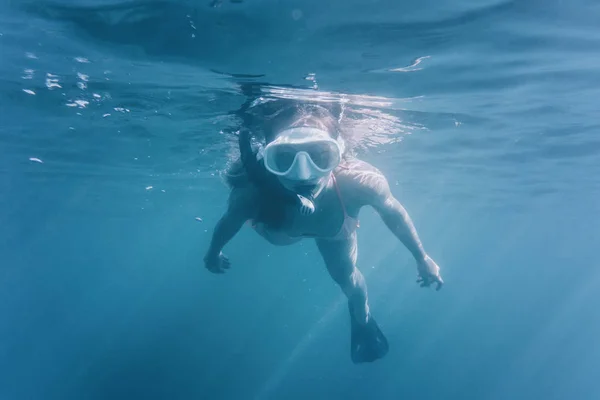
311	179
301	157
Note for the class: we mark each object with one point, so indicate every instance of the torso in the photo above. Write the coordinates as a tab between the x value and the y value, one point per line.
328	221
335	217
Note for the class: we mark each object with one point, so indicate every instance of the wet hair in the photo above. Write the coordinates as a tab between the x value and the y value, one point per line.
313	116
274	197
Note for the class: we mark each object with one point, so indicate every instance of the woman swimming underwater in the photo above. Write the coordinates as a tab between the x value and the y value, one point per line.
302	184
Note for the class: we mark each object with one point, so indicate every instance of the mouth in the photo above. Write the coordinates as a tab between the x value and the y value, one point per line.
304	188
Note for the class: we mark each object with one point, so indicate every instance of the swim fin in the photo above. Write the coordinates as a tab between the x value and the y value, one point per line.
367	342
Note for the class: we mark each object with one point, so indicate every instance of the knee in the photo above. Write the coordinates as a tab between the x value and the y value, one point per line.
350	281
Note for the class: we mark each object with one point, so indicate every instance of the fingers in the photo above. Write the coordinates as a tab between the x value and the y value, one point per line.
427	281
215	269
440	282
423	281
219	268
219	265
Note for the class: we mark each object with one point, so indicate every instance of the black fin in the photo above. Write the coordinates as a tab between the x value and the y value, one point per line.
367	341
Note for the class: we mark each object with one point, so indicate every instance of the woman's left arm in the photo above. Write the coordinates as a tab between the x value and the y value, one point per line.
376	191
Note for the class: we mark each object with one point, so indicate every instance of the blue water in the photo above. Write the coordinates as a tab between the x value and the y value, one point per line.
115	126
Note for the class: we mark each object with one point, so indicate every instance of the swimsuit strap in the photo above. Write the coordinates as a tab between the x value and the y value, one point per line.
339	194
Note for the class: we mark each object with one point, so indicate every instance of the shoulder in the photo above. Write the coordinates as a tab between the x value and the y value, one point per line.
243	201
237	178
244	194
235	175
360	175
361	181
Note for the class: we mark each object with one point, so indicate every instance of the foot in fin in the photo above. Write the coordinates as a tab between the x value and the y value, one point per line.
367	342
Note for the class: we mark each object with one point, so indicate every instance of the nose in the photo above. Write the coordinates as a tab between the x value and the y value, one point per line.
304	172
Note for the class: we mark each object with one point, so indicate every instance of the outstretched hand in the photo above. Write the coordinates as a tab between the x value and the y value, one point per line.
429	272
217	263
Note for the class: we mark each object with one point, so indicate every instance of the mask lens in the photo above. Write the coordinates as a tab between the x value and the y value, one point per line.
323	154
283	157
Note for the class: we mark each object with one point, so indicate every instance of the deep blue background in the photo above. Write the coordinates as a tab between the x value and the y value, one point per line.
490	142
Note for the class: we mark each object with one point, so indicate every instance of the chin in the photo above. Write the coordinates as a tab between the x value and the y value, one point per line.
300	186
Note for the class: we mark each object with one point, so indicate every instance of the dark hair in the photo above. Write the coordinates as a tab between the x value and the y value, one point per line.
274	197
314	116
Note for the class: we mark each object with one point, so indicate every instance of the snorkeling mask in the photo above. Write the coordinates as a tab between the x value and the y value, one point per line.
303	154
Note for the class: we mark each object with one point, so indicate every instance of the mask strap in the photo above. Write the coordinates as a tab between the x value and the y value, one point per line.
342	144
260	153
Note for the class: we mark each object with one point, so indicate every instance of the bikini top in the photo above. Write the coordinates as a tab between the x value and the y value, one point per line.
350	224
348	227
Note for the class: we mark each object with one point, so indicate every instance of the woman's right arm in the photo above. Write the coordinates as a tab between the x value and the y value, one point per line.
240	209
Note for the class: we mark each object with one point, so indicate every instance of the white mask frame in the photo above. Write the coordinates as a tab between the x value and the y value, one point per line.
302	167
